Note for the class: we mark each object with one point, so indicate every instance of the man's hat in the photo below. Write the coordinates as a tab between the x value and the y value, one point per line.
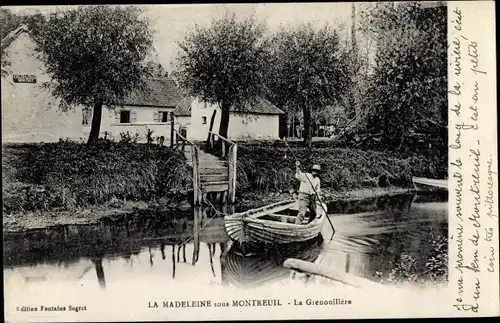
316	168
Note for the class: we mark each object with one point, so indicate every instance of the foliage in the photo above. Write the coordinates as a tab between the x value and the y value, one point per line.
435	270
94	55
69	174
407	92
223	64
271	167
307	70
156	69
127	138
149	136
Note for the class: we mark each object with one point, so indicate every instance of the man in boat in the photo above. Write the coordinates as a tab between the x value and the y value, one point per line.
308	191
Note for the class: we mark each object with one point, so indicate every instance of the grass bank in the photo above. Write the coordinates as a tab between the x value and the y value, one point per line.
70	176
70	183
271	168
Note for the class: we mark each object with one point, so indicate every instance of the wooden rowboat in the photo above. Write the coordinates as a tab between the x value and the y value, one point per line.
273	224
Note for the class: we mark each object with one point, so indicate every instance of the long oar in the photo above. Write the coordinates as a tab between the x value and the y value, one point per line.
317	195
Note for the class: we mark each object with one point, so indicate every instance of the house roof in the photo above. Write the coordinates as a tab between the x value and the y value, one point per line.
7	40
183	109
159	92
260	106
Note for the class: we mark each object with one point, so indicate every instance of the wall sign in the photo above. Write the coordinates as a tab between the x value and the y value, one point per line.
24	78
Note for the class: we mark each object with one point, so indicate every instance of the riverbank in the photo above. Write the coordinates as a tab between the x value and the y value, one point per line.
94	214
69	183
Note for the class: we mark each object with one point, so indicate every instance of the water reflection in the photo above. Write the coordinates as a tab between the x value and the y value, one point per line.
244	271
373	239
100	272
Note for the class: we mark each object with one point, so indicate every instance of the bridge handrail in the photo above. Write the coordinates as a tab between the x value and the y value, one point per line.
221	137
184	138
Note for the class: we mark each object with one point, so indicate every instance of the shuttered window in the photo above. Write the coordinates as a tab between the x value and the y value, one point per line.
164	116
125	116
161	116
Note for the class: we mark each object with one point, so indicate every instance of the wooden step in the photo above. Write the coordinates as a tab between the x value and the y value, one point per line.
212	162
214	171
215	186
211	165
214	178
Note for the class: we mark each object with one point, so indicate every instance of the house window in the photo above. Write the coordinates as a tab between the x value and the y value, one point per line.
164	116
124	116
86	116
204	120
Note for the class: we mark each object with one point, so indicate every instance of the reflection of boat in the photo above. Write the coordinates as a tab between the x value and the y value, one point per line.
273	224
267	266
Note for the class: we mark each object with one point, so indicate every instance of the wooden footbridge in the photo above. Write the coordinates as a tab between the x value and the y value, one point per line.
214	177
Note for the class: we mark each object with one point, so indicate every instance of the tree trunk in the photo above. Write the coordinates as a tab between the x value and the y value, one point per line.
224	119
211	128
96	123
307	126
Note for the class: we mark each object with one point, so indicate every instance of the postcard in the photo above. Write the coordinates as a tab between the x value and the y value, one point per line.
249	161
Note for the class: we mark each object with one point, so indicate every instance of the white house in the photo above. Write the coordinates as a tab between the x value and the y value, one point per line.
259	120
30	113
151	109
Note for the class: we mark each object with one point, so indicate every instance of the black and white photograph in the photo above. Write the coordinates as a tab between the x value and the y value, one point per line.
259	161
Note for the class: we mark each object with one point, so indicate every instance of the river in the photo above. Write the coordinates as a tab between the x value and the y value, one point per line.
387	240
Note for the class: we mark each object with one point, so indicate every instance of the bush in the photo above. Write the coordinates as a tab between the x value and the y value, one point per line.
272	167
70	174
434	270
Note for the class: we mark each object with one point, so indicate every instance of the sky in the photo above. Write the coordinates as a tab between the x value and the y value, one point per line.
172	22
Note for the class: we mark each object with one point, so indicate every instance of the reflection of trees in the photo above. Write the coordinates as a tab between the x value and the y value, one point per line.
151	255
162	250
173	261
123	236
100	272
211	251
183	253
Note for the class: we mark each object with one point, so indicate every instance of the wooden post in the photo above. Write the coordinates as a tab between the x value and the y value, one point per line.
232	156
171	130
196	177
230	172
